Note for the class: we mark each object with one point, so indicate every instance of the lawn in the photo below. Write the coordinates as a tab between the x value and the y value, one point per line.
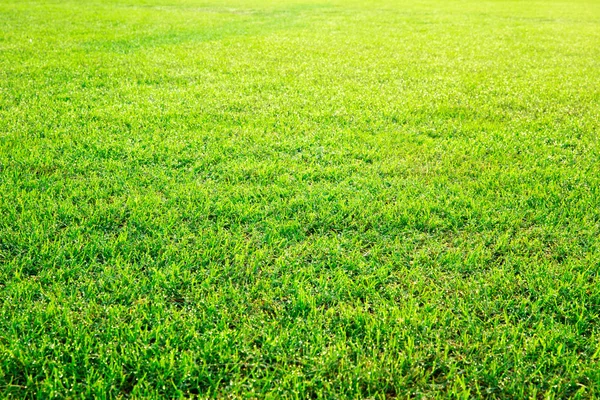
300	199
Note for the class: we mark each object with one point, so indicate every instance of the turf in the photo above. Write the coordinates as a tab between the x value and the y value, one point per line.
299	199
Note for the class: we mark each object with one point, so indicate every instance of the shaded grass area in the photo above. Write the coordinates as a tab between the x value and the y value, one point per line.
299	199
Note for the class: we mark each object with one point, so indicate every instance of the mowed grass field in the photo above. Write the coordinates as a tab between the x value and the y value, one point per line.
300	199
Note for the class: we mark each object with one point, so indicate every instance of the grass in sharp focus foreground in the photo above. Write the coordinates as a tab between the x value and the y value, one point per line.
299	199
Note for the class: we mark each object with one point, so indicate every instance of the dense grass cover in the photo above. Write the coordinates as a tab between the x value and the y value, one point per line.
300	198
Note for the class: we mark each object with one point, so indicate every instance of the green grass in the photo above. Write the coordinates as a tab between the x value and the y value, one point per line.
300	199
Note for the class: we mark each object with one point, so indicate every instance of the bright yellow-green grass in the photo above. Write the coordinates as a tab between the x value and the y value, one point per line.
299	199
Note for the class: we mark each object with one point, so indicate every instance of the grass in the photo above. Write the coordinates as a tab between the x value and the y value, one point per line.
299	199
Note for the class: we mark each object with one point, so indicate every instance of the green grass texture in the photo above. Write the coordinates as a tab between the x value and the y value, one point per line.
300	199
